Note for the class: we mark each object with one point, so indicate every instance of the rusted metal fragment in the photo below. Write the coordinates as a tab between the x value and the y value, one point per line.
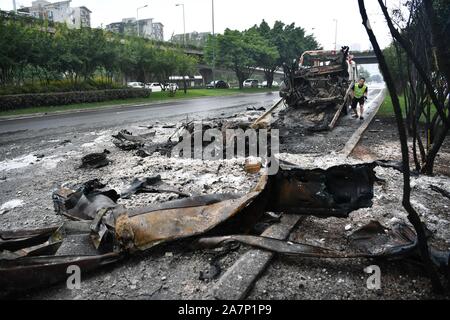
84	203
398	242
30	273
40	242
150	229
150	185
273	245
333	192
16	240
48	248
239	279
126	141
185	203
371	241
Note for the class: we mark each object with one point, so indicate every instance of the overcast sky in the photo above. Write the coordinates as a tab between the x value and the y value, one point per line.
316	16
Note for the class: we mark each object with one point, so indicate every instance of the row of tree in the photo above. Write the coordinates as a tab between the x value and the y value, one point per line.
419	61
417	65
258	47
34	51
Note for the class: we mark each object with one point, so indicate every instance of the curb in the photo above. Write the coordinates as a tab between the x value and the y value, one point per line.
356	137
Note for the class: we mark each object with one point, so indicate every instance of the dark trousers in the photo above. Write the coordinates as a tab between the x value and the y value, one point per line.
355	102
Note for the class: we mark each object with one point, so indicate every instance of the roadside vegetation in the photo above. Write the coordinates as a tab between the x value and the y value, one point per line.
261	46
387	109
37	56
421	74
40	57
154	98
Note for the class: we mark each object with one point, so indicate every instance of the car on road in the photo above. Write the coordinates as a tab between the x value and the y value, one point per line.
251	83
172	86
135	85
155	86
274	84
218	84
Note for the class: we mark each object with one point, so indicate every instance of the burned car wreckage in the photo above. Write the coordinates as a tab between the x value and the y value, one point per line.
317	89
100	232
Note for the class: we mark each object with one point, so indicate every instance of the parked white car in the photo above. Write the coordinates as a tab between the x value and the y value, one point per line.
173	86
251	83
155	87
274	84
136	85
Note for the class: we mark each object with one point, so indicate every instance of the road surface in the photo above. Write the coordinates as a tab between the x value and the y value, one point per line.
122	115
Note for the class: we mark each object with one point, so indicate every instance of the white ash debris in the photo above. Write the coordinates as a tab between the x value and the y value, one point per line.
314	161
17	163
10	205
387	203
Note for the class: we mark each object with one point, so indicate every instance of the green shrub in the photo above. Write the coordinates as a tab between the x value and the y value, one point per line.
22	101
59	86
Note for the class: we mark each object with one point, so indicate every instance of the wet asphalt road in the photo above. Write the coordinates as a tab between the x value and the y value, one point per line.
123	115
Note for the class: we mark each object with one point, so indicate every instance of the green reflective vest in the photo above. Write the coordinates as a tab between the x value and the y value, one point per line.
359	92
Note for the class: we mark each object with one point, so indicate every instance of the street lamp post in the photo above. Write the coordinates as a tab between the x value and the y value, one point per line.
137	17
184	23
336	34
213	33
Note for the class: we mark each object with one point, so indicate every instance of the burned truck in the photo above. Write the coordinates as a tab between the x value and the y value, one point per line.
317	89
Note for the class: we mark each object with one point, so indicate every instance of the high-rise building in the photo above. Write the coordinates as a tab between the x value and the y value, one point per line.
147	28
60	12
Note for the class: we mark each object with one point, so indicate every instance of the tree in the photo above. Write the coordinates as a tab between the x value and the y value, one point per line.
413	216
395	58
166	65
364	73
186	65
288	40
421	52
266	56
232	51
30	50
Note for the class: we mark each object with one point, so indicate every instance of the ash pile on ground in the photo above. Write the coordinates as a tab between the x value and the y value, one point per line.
29	172
27	181
289	278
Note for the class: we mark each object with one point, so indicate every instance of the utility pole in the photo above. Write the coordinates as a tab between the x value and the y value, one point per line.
214	49
184	23
335	35
137	17
14	6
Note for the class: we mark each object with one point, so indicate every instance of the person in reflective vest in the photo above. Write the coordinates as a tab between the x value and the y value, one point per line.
359	95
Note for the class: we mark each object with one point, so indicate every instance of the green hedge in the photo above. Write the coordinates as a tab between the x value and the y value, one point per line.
22	101
58	86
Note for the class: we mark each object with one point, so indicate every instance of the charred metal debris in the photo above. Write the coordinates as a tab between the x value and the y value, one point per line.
101	232
316	90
